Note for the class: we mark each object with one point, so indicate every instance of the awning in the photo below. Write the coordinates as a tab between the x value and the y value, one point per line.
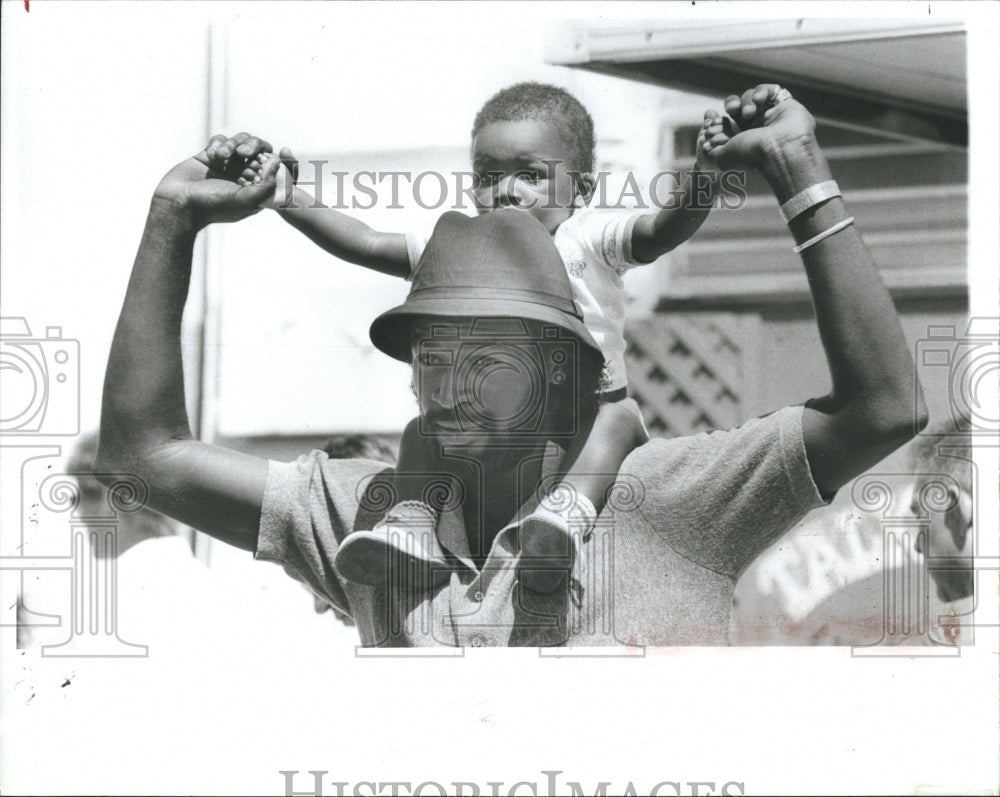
901	79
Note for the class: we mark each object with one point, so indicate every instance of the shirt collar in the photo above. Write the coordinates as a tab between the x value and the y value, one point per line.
451	525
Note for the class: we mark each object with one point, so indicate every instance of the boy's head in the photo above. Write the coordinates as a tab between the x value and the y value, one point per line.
533	148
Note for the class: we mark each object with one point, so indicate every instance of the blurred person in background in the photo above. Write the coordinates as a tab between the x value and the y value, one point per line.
943	498
145	544
138	608
925	596
359	446
160	596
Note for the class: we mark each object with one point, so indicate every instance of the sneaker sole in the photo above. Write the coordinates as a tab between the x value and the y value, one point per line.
366	558
547	554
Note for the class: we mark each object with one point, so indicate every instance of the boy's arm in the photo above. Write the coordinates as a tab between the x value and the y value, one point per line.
346	237
685	211
337	233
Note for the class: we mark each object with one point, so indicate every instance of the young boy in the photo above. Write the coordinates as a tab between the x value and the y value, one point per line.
532	150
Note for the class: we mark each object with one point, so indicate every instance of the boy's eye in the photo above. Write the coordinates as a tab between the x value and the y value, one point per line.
489	178
486	179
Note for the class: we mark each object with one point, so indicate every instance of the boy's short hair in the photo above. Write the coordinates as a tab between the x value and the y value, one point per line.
544	103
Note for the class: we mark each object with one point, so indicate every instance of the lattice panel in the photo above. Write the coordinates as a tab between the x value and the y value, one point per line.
687	372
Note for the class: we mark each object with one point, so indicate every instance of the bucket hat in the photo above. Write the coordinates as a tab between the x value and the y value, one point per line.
500	264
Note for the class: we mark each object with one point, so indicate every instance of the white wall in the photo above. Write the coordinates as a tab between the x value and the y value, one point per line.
98	99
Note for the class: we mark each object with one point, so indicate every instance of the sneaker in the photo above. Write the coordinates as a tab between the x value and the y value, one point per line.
548	537
548	550
402	549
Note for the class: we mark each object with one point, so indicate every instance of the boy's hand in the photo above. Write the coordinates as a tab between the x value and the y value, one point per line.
716	130
232	156
286	177
243	157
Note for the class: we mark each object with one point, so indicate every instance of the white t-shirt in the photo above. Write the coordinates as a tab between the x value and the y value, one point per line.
595	246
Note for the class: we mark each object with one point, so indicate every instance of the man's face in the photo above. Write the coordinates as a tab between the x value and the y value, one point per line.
481	381
524	165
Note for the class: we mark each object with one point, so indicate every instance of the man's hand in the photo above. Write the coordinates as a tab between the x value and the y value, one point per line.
203	187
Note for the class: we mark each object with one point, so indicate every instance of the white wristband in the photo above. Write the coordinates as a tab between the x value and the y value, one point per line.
840	225
813	195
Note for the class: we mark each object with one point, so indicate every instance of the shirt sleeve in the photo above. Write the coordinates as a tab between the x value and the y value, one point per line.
415	245
607	236
721	498
309	506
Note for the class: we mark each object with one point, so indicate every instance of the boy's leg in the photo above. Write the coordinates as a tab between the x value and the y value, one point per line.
547	535
617	431
405	540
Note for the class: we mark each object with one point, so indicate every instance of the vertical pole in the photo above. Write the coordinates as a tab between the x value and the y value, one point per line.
207	275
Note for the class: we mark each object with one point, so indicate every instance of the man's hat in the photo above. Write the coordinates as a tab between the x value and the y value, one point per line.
500	264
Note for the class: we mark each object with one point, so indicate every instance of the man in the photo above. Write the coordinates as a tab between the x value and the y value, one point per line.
661	565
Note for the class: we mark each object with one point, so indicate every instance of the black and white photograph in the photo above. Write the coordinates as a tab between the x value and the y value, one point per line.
499	398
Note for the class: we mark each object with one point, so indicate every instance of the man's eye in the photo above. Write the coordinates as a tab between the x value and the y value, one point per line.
529	176
435	358
491	361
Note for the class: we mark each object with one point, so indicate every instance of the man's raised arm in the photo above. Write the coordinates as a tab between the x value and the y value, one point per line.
870	410
144	424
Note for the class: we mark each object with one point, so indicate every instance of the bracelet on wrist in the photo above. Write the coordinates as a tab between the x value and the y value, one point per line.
840	225
813	195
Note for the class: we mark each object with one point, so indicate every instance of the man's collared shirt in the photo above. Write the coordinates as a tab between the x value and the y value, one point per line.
685	518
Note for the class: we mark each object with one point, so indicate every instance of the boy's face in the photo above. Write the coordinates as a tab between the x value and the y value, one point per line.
525	165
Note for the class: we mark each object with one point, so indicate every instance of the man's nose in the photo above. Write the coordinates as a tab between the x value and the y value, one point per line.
442	388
